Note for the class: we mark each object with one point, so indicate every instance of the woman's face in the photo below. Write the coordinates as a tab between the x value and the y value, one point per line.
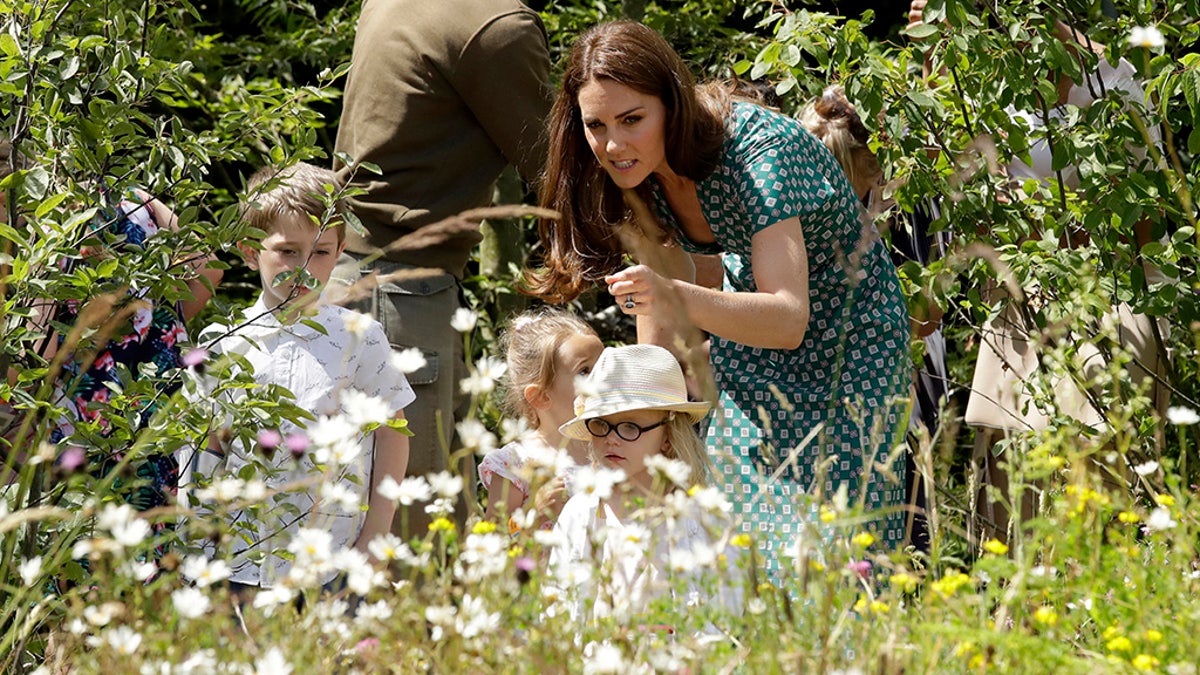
625	129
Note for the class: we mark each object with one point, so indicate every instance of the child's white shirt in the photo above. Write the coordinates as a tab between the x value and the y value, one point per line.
317	368
636	560
520	461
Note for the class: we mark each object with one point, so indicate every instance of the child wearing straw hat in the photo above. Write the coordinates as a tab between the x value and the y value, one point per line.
632	515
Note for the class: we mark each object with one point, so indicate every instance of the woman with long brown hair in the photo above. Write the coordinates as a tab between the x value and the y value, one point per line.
809	331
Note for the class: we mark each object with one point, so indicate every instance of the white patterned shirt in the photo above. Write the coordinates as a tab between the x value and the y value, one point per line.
316	368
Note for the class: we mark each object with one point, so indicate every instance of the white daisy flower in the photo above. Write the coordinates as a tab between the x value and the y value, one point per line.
30	570
603	658
204	572
114	515
673	470
190	602
363	409
377	612
406	492
102	615
409	360
1182	416
268	599
473	435
131	533
222	491
1149	37
272	663
138	570
464	320
1160	519
445	484
123	640
473	618
341	496
357	323
596	481
1146	469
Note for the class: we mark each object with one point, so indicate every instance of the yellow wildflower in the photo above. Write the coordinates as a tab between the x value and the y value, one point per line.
1153	635
949	584
441	525
1119	644
863	539
995	546
904	582
1046	615
484	527
1165	500
1144	662
1128	517
879	607
827	515
976	662
742	539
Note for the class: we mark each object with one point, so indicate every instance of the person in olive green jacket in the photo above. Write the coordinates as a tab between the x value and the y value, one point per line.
442	96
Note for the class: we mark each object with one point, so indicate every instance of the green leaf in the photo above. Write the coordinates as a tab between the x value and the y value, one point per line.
69	67
37	181
354	223
8	45
48	205
1153	248
920	31
1191	91
315	325
1193	141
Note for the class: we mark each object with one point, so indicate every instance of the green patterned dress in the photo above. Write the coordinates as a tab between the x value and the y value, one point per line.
844	379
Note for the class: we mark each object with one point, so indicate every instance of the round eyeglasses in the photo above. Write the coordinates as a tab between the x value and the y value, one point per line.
626	431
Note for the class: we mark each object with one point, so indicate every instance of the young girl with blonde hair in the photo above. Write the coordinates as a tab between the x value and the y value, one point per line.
545	351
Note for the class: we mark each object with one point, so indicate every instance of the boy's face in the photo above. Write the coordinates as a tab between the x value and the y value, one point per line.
292	244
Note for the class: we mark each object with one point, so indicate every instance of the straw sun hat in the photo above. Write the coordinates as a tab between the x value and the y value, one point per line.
637	377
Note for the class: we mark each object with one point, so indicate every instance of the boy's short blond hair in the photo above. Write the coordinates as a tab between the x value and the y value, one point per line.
300	190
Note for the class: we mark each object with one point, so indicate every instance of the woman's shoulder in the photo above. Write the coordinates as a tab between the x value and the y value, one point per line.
754	129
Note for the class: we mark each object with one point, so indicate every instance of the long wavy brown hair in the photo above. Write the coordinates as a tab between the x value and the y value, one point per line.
581	246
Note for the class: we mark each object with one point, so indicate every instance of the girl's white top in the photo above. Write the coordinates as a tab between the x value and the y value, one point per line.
677	549
525	459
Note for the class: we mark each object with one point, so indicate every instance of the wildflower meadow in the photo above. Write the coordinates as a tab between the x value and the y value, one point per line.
1091	566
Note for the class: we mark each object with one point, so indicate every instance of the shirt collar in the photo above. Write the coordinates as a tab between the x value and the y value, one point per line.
261	321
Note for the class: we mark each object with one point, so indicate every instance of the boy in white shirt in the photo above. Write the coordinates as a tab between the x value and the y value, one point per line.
343	373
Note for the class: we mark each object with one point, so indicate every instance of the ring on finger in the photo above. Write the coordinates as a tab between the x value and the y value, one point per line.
629	303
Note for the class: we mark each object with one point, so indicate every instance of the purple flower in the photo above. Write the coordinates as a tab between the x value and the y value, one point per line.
860	567
296	444
367	645
269	439
525	565
195	357
71	459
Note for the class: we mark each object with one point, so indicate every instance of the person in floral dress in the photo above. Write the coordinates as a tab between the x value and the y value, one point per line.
809	331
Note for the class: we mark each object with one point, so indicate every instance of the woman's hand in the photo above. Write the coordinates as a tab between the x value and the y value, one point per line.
639	290
916	13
